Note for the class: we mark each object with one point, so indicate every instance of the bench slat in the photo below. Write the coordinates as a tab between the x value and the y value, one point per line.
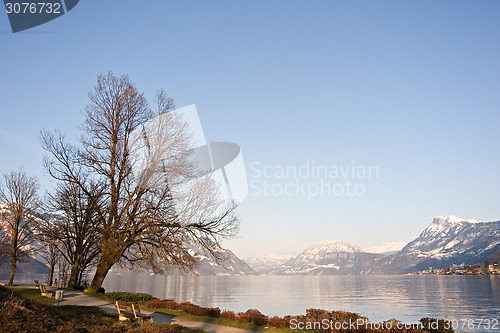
129	310
44	292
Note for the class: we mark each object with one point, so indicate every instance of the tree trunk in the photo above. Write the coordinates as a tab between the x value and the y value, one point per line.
51	274
80	277
102	270
12	270
73	276
13	254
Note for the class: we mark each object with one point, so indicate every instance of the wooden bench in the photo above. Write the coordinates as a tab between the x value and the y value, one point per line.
130	311
45	292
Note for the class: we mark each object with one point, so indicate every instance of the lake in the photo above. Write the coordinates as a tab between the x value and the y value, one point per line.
404	297
407	298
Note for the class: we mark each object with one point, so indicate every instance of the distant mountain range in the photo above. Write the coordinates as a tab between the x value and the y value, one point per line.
28	267
454	241
330	258
206	264
387	248
267	264
446	242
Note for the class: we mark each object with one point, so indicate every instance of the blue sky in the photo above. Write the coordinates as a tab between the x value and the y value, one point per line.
409	87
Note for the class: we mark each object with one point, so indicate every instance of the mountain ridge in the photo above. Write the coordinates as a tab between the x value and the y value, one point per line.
447	241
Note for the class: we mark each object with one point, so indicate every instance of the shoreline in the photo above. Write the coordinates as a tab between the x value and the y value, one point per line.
253	320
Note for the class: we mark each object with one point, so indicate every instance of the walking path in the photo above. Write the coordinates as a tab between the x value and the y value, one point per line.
72	297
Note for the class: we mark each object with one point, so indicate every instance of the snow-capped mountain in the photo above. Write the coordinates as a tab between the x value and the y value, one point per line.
452	240
387	248
231	265
32	263
266	264
329	258
206	264
331	246
28	267
447	241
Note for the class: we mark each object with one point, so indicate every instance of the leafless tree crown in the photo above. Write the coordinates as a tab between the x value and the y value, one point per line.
149	200
19	197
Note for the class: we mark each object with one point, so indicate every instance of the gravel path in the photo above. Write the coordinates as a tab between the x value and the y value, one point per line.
72	297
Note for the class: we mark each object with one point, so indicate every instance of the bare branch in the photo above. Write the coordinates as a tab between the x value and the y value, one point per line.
18	209
151	201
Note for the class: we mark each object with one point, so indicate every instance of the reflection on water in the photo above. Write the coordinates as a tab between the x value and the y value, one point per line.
406	298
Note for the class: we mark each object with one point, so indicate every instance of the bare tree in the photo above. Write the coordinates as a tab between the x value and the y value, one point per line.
73	232
50	255
62	269
154	200
20	202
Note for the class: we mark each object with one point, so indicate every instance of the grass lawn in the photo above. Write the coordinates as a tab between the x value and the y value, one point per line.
32	294
22	312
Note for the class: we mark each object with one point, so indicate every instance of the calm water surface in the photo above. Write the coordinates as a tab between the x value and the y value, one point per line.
407	298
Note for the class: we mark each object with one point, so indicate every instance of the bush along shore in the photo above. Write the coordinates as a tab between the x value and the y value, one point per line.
314	320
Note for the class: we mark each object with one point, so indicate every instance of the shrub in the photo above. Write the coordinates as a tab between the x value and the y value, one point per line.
346	316
254	316
278	322
197	310
229	315
314	315
150	327
129	297
319	315
101	290
157	303
187	307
